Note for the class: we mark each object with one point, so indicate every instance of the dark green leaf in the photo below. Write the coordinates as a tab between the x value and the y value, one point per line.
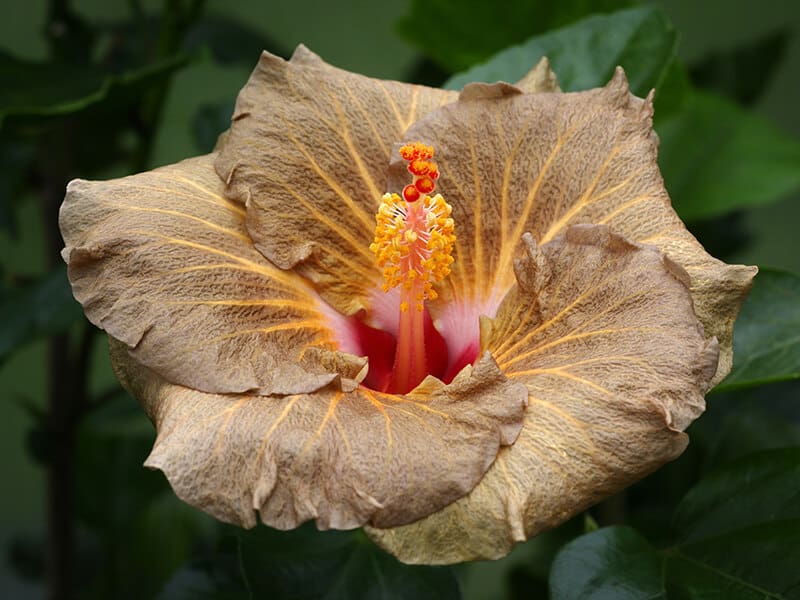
743	73
767	334
717	157
228	40
34	311
615	563
308	564
737	532
32	92
15	160
209	122
585	54
459	34
759	489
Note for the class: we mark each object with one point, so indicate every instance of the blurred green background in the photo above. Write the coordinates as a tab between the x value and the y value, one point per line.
358	35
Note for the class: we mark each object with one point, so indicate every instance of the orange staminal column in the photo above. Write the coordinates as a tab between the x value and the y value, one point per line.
414	238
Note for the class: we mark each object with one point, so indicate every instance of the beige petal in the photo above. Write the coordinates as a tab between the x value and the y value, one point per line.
539	79
308	152
162	262
343	459
540	162
602	333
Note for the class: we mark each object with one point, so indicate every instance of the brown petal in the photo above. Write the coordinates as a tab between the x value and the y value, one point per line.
343	459
540	162
308	151
162	262
539	79
602	333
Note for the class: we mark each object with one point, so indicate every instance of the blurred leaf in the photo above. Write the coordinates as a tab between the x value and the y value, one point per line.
615	562
33	92
144	533
743	73
209	122
738	534
230	41
716	157
310	564
34	311
459	34
767	333
204	580
15	160
724	235
584	55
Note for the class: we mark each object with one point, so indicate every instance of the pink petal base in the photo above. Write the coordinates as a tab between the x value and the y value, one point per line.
452	341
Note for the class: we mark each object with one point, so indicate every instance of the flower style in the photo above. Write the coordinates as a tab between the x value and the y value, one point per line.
285	310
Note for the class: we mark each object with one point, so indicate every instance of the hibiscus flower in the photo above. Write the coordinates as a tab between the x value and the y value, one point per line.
457	319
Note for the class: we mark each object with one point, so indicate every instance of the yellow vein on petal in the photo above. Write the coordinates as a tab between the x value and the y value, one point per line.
312	324
292	400
172	192
559	372
329	413
366	177
387	419
360	212
343	433
542	453
221	200
581	203
175	213
478	282
572	337
409	400
622	208
376	132
612	358
299	305
313	439
357	245
221	429
392	105
412	107
507	251
263	269
591	288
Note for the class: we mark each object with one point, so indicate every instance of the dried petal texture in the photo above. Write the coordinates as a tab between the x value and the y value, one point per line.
162	262
513	163
309	146
343	459
602	333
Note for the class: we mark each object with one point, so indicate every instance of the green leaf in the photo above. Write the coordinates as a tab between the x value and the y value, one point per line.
209	122
737	532
614	563
584	55
716	157
32	92
745	72
767	334
459	34
229	41
34	311
306	563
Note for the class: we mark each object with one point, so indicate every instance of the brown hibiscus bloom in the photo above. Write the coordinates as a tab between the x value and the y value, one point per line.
525	329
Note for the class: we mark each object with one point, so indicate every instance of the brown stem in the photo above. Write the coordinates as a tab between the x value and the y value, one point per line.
62	398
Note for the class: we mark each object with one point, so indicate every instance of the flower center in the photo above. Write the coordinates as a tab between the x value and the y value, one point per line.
414	237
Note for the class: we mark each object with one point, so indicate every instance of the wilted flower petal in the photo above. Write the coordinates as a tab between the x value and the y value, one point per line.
162	262
602	333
